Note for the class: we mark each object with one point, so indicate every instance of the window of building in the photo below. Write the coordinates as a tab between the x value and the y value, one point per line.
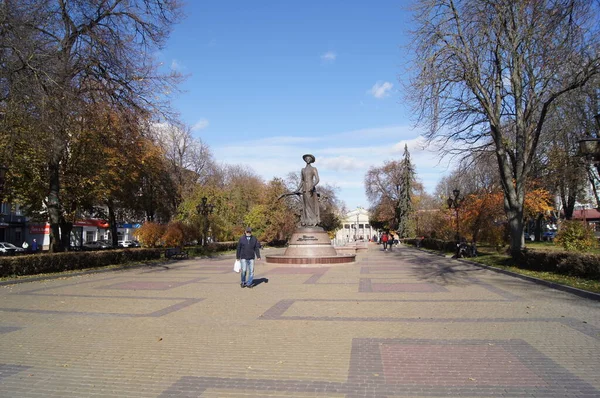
367	226
347	226
89	236
361	225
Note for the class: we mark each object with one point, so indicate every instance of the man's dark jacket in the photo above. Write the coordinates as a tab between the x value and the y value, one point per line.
248	248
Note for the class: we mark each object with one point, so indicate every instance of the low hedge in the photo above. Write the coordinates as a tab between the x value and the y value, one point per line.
582	265
432	244
68	261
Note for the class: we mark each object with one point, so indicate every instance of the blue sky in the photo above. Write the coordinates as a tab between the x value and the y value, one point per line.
269	81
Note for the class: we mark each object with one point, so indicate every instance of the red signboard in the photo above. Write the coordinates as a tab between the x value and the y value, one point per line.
91	223
39	229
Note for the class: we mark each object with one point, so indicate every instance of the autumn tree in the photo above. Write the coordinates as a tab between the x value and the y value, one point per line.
271	218
562	169
489	73
62	56
390	189
233	191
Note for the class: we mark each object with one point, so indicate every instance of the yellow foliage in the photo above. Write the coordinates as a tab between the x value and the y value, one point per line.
174	235
150	234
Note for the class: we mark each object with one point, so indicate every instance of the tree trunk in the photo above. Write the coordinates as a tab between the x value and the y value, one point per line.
112	223
54	213
65	235
570	207
515	225
538	227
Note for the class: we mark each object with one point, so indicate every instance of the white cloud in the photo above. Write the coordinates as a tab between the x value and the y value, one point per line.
342	158
200	125
380	89
343	163
329	56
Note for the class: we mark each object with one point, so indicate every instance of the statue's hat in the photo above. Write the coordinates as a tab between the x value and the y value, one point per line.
308	158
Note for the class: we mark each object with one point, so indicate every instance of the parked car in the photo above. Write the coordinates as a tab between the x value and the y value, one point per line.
549	236
97	245
10	249
128	243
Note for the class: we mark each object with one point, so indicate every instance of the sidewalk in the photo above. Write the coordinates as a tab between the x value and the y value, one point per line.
394	324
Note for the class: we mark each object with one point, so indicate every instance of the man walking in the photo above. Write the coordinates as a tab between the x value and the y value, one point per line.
248	248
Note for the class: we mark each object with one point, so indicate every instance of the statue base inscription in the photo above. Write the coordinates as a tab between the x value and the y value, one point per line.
310	245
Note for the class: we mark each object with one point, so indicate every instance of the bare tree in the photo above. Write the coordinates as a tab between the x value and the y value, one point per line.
489	71
390	189
189	159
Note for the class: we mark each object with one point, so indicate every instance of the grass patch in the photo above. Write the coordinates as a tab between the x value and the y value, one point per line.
505	262
551	246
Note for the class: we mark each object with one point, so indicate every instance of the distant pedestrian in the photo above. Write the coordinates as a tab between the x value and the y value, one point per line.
248	249
34	246
384	241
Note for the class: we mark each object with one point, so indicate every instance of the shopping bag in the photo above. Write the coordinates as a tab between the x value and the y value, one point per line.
237	266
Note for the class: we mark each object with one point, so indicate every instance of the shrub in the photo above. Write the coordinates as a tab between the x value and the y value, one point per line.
58	262
567	263
576	236
150	234
174	235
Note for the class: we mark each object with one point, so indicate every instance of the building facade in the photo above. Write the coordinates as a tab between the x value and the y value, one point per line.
355	227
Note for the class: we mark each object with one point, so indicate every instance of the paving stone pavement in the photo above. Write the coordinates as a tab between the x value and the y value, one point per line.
394	324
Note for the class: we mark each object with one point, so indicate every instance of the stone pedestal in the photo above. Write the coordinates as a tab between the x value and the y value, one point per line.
310	245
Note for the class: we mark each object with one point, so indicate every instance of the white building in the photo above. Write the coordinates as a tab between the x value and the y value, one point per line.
355	227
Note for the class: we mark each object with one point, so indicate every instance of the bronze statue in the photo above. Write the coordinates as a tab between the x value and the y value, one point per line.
308	192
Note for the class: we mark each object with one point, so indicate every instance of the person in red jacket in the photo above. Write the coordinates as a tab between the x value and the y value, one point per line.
384	240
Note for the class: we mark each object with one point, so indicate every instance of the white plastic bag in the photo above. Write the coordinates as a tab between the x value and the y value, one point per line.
237	266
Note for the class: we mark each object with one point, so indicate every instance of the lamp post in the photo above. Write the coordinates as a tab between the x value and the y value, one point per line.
204	209
455	203
590	147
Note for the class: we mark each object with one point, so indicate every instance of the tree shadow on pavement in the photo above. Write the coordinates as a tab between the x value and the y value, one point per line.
440	270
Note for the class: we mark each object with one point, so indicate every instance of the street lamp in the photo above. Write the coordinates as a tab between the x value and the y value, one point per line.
590	147
455	203
204	209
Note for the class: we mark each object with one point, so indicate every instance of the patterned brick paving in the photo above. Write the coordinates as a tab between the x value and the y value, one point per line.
394	324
